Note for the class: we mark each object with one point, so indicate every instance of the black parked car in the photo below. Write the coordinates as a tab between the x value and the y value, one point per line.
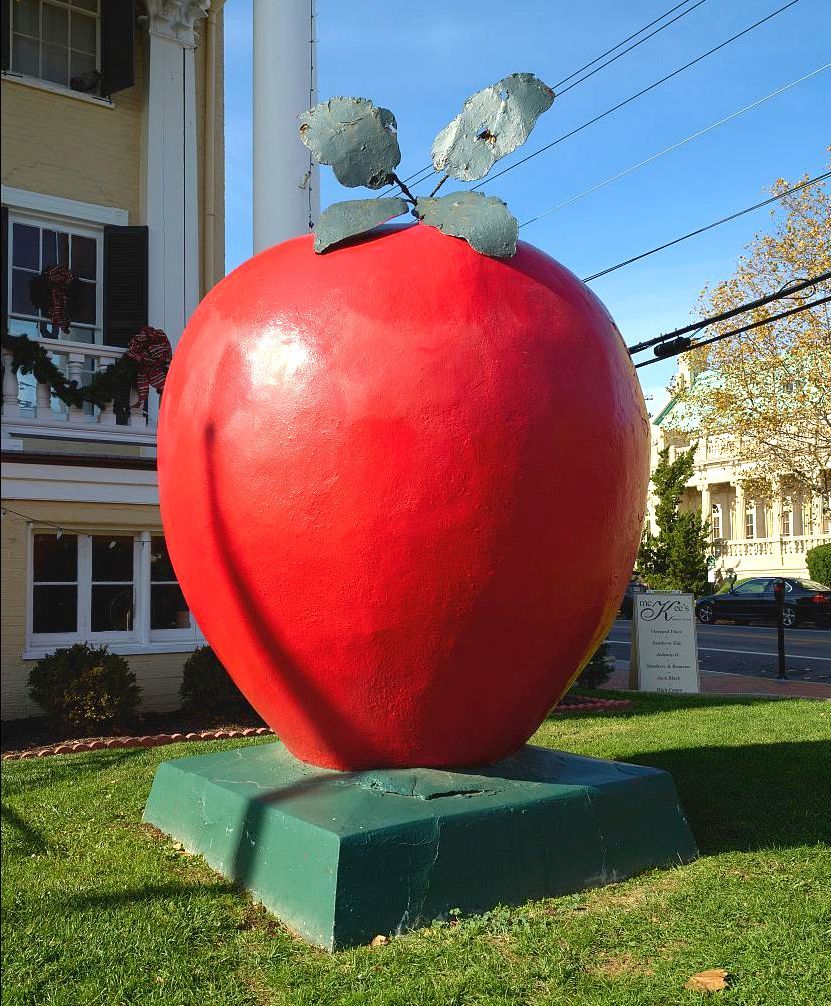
627	604
754	600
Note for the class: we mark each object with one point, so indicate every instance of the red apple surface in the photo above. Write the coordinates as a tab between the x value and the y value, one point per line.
403	486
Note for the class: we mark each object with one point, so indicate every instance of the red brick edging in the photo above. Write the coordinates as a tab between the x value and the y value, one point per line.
151	741
577	705
581	704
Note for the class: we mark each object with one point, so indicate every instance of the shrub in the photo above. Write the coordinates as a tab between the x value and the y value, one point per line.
598	670
86	686
207	688
819	564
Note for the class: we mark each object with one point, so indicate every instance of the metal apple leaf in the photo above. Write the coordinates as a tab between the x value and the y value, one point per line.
354	216
355	137
492	123
483	221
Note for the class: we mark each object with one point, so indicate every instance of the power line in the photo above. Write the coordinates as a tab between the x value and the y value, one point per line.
708	227
674	146
628	38
782	294
634	45
736	331
428	169
632	97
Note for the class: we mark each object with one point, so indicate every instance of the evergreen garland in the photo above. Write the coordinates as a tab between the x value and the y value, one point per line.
107	384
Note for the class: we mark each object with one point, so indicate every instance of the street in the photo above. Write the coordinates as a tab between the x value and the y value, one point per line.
748	649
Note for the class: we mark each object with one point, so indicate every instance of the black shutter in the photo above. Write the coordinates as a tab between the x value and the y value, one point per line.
125	283
118	22
4	277
5	33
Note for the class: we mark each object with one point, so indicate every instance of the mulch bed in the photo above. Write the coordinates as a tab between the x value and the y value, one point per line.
39	736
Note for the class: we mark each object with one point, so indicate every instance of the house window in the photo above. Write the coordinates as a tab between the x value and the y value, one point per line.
36	244
55	40
105	587
715	522
750	520
787	518
168	608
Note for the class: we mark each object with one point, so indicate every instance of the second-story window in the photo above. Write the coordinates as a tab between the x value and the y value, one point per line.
787	517
55	40
36	245
715	522
750	520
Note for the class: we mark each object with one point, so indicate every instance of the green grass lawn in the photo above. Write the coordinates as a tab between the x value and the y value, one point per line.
97	909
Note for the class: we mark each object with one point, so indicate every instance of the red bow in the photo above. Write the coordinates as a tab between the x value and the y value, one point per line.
59	279
150	348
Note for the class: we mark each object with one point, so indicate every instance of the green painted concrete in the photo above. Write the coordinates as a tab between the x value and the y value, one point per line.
343	856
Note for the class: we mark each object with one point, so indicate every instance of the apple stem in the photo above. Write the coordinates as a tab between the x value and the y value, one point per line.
404	188
436	189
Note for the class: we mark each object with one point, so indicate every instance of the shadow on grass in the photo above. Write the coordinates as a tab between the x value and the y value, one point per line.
30	838
760	796
58	769
149	892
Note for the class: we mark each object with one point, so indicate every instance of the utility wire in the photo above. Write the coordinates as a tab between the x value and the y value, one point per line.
736	331
675	146
632	97
634	45
708	227
608	52
428	169
782	294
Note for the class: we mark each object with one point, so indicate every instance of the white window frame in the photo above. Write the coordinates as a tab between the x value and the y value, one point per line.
750	520
140	639
787	524
31	218
716	521
68	6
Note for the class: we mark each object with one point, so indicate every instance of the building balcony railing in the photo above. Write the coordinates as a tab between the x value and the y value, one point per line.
773	547
30	408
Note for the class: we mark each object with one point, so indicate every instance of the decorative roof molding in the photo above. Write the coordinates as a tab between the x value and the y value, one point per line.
176	19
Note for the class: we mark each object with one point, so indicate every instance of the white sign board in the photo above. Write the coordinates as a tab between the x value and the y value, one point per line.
664	654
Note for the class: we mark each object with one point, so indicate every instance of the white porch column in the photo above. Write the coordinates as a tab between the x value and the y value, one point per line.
706	502
286	193
170	182
739	529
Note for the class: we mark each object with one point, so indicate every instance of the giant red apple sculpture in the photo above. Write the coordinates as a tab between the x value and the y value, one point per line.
403	486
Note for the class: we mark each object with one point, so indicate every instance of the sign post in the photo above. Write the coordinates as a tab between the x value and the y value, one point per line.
779	594
664	656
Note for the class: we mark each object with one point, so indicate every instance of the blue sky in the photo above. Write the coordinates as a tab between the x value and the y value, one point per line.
422	60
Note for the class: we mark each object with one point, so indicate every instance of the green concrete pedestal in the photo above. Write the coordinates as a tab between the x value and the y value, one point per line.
343	856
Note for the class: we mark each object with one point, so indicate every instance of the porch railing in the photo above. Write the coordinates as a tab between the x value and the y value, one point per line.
28	403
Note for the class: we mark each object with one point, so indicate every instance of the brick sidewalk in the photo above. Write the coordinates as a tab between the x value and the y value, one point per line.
721	683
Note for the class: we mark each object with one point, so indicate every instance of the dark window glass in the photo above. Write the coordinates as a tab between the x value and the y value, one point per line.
161	568
83	257
55	559
55	248
112	558
112	607
26	247
54	609
21	300
751	587
168	607
85	311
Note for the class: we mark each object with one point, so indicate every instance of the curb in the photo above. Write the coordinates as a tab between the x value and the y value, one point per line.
150	741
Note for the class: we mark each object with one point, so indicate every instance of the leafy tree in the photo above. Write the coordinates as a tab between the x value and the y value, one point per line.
676	557
819	564
768	391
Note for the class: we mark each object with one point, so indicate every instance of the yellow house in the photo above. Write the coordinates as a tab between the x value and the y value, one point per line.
112	166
